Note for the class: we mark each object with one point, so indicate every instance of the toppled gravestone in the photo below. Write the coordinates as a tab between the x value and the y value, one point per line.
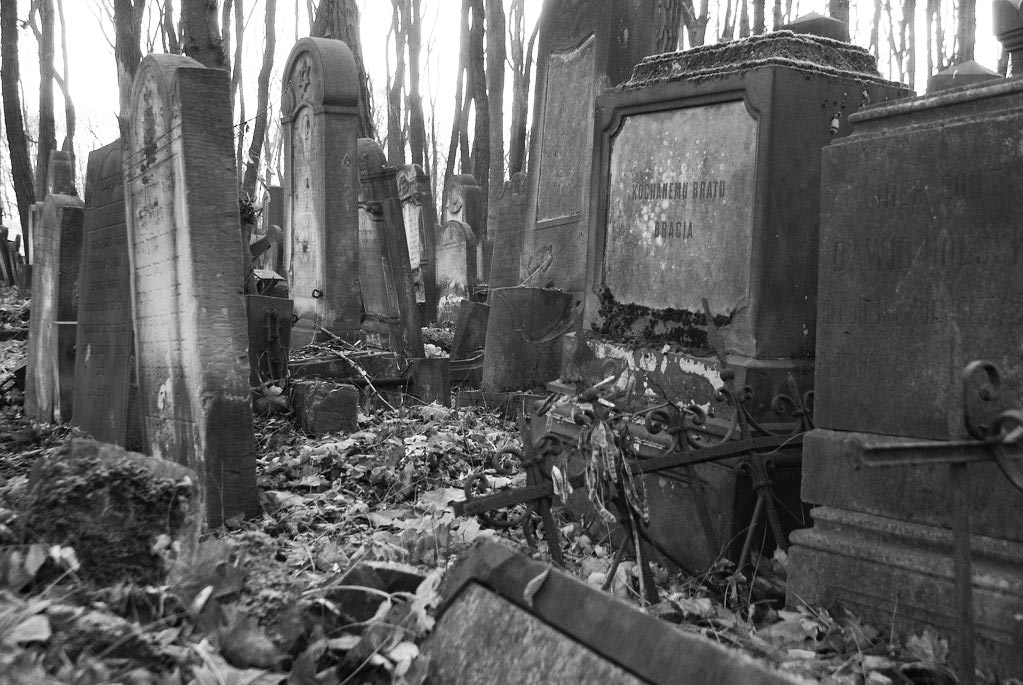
114	508
326	407
502	620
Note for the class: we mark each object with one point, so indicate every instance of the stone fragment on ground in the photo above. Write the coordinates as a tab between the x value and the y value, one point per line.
326	407
125	514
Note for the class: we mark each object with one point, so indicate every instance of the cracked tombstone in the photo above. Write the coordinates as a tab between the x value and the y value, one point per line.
388	296
320	121
57	252
184	251
420	228
459	245
511	214
106	391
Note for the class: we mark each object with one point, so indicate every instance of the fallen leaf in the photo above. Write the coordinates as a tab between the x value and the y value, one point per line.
533	586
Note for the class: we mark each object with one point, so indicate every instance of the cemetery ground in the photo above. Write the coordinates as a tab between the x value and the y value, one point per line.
306	593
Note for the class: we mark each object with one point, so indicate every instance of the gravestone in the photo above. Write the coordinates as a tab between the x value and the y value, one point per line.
920	255
704	195
106	399
320	121
8	273
385	274
184	252
57	251
60	174
421	231
267	242
497	624
459	245
584	47
511	208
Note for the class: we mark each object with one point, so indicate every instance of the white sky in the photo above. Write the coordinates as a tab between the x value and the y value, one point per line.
94	86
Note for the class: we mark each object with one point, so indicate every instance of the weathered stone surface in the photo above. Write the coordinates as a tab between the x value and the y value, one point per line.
920	253
523	337
712	191
470	330
566	631
583	47
320	119
269	329
385	274
508	234
460	245
185	252
111	506
420	215
430	380
58	256
60	174
325	406
106	394
966	73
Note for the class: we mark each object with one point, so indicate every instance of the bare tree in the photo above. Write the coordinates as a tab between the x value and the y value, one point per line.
47	140
744	18
259	127
494	80
200	34
400	9
669	23
340	19
167	29
63	81
696	25
758	16
480	160
17	142
839	9
521	65
907	30
417	123
458	120
966	30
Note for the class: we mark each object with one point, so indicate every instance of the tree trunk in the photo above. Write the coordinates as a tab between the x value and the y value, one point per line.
395	139
417	123
496	54
339	19
236	79
127	54
875	31
777	19
170	35
480	160
839	9
47	129
669	24
728	26
259	127
696	26
200	34
17	143
909	41
63	82
743	18
458	120
522	62
966	33
758	16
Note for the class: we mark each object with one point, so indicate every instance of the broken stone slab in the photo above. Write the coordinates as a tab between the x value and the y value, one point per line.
506	618
470	329
359	591
430	380
116	508
523	337
326	407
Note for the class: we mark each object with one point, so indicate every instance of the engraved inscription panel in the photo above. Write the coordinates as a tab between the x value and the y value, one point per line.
157	283
567	133
308	240
920	259
680	208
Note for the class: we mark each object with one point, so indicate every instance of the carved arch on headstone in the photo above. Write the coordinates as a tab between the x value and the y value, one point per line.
320	73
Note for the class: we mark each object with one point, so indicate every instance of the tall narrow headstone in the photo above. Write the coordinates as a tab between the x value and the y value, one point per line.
60	174
504	265
388	295
584	47
57	248
920	274
188	307
459	245
320	118
106	394
421	230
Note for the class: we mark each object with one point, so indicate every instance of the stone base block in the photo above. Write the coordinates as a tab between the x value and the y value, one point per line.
899	575
325	407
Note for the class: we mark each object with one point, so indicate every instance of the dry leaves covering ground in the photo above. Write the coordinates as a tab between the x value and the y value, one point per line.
288	598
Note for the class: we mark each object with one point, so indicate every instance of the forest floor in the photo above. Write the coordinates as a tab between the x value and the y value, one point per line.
331	503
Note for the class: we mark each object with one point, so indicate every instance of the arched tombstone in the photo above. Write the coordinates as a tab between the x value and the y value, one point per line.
388	295
459	245
320	118
421	231
181	206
